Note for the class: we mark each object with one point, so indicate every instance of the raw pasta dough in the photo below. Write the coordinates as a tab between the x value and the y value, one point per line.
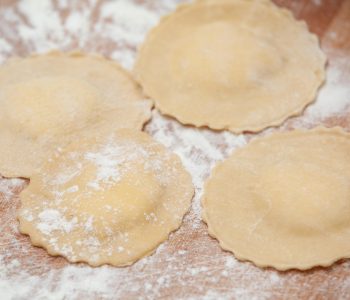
106	199
284	200
241	65
46	98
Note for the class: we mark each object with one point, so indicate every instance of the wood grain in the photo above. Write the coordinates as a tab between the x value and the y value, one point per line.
190	264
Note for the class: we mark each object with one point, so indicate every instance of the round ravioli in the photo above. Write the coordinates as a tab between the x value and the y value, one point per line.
106	199
240	65
284	200
46	98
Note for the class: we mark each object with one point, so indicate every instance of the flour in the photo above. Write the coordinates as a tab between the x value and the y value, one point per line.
51	220
44	31
132	21
190	264
107	162
334	96
199	149
317	2
8	187
112	160
231	262
5	49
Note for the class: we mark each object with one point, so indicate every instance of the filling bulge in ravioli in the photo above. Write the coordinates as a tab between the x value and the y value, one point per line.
226	58
45	105
318	203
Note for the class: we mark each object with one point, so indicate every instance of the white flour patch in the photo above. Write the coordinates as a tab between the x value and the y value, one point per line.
51	220
8	187
274	278
317	2
231	262
334	96
107	162
43	30
5	49
199	150
129	21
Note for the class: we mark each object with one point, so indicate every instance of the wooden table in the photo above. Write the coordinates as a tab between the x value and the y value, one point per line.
190	264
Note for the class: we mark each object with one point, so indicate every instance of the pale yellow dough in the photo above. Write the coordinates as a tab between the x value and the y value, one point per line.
240	65
284	200
46	98
108	198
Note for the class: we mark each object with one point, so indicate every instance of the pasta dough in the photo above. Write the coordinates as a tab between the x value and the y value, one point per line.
241	65
106	199
284	200
44	99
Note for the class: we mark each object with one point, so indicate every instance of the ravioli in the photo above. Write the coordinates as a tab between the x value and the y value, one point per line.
45	99
108	198
283	201
238	65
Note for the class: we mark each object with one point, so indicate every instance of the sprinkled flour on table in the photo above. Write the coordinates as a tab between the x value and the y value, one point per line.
190	265
334	96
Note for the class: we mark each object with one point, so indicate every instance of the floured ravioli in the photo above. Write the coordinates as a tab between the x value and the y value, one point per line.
46	98
106	199
241	65
284	200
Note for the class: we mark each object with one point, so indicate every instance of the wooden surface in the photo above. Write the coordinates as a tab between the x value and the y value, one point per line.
190	264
